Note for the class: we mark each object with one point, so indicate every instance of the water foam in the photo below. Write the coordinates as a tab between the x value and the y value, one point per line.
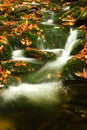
36	93
19	55
65	55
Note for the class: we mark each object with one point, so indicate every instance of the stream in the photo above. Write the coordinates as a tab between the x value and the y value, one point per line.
45	103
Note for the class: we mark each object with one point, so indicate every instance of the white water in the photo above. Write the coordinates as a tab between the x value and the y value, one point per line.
41	43
34	3
65	55
72	39
56	51
66	8
43	93
19	55
50	21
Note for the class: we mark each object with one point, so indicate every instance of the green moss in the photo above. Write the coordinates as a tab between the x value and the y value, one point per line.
14	41
83	15
82	18
2	17
72	66
32	37
5	51
16	66
78	46
20	67
55	36
35	53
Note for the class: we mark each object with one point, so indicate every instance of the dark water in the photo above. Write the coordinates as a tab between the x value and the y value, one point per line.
71	114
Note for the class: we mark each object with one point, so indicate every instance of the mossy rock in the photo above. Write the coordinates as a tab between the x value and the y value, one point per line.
74	11
78	46
18	67
32	36
72	67
14	72
2	17
5	51
83	15
25	39
79	3
67	15
6	77
82	18
38	54
14	41
81	35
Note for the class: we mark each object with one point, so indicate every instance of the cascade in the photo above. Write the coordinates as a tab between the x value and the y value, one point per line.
72	39
40	43
48	92
36	93
65	55
50	21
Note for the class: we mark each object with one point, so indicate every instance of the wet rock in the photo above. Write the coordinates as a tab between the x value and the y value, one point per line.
38	54
82	18
72	69
79	45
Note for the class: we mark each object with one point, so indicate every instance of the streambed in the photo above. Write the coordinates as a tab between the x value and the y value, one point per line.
33	95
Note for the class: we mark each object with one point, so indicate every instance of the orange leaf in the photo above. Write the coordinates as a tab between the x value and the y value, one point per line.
85	73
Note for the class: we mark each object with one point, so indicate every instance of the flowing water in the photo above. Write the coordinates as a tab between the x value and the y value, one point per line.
45	103
65	53
49	21
19	55
45	92
49	105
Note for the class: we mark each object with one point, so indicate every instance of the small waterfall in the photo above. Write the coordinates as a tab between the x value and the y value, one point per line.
56	51
65	55
45	92
72	39
17	53
41	94
50	21
61	60
40	43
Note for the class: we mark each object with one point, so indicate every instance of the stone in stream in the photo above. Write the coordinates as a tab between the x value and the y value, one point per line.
38	54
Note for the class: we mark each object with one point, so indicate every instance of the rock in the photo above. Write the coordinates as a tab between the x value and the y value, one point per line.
5	51
73	70
38	54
